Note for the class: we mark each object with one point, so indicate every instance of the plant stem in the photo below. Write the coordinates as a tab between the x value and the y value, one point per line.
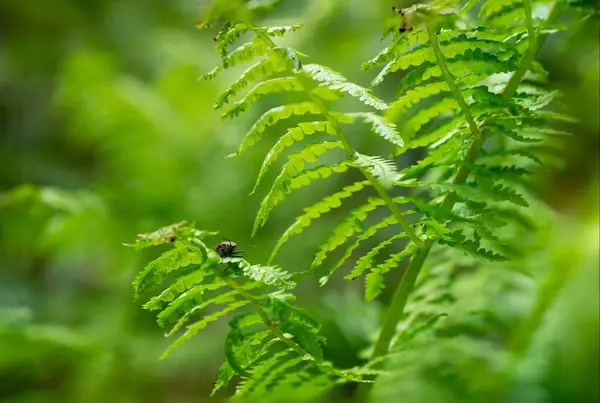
307	83
265	318
385	196
407	282
439	57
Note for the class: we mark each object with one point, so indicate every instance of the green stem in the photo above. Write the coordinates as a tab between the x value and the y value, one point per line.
385	196
439	57
307	83
265	318
407	282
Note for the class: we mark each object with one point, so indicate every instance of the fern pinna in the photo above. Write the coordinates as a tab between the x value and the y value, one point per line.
272	346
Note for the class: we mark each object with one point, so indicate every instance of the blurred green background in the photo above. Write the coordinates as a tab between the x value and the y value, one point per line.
101	113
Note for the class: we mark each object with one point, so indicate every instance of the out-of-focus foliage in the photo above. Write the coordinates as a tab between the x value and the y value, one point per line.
107	133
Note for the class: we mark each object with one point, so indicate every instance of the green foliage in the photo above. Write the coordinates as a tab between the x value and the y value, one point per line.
200	279
470	99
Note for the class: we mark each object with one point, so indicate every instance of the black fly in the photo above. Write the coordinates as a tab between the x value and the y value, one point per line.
227	249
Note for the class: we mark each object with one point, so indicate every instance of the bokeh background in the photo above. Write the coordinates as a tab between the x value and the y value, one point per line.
105	133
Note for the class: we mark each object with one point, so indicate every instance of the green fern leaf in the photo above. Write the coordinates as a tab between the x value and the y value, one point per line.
366	261
168	262
281	84
274	115
375	280
323	74
278	31
345	229
356	91
483	192
491	7
285	183
195	304
315	212
336	82
450	49
183	284
192	330
268	275
473	65
228	36
399	45
382	127
244	53
472	247
263	68
366	234
425	115
239	347
441	132
290	137
438	154
383	170
414	96
261	371
166	235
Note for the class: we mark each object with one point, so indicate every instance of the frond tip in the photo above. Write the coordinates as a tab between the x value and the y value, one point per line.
385	171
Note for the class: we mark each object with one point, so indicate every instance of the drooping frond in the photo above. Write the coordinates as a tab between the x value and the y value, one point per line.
253	344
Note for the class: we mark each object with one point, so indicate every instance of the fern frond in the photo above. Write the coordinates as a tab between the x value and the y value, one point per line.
361	93
168	234
155	272
274	115
416	95
268	275
280	84
450	49
383	170
366	234
472	247
345	229
367	261
315	212
399	45
281	30
471	65
483	192
375	280
382	127
193	329
285	183
290	137
265	67
184	308
425	115
244	53
336	82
